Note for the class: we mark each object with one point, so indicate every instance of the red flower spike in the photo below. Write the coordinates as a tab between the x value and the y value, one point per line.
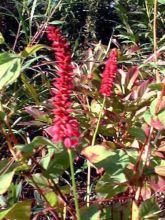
65	128
109	74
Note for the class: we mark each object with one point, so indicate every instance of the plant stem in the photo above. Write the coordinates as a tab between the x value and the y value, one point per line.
42	27
147	149
155	38
88	183
64	212
74	184
98	122
88	163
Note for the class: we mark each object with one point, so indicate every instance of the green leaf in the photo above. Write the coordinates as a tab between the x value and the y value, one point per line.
29	50
36	142
115	164
91	213
147	117
5	181
52	198
153	106
19	211
41	181
14	193
149	209
58	164
22	167
108	186
56	22
95	107
97	153
10	66
34	5
137	133
161	106
161	117
2	201
156	86
44	118
4	163
2	115
161	1
112	161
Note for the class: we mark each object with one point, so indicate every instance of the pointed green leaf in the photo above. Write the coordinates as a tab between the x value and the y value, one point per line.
29	50
52	198
10	66
147	117
5	181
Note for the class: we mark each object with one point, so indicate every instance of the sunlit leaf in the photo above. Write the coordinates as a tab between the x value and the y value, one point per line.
147	117
58	164
52	198
161	148
161	1
29	50
135	211
153	106
56	22
161	117
5	181
97	153
2	40
10	66
160	170
95	107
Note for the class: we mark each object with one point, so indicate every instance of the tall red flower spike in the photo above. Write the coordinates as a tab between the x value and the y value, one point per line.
65	128
109	74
